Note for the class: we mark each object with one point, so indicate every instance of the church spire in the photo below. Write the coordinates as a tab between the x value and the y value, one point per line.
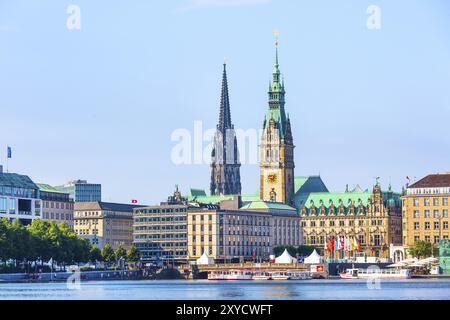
225	114
225	166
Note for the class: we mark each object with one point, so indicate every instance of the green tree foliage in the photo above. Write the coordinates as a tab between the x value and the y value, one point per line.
279	250
293	251
421	249
95	254
305	250
120	253
108	253
39	242
133	254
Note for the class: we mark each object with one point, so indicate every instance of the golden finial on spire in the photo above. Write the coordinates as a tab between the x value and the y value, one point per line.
276	33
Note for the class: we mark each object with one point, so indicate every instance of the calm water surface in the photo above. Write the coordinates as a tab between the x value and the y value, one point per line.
204	290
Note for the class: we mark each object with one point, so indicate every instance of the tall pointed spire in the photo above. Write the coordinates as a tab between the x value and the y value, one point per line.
225	166
225	113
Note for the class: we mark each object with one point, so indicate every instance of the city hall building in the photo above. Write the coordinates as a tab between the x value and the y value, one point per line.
372	217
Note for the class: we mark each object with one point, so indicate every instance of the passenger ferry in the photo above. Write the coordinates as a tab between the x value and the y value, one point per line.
261	275
376	273
300	275
280	275
230	275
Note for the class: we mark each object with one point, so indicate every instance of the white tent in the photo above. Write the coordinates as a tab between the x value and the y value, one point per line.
205	260
285	258
314	258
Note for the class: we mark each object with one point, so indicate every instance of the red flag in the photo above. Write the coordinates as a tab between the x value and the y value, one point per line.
134	201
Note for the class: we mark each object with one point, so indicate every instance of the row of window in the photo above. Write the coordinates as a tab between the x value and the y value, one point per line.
342	223
58	205
436	214
427	202
436	239
58	216
171	210
160	219
427	225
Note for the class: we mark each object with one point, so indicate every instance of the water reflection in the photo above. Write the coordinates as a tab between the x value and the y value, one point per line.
240	290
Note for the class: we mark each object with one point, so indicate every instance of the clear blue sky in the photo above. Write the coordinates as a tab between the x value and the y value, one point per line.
101	103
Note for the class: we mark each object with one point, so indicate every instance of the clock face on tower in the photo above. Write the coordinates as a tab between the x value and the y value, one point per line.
272	178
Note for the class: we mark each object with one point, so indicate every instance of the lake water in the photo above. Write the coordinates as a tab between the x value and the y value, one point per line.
248	290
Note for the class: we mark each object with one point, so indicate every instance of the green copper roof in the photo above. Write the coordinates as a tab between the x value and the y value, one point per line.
343	198
276	99
217	199
15	180
264	205
196	193
309	184
48	188
336	198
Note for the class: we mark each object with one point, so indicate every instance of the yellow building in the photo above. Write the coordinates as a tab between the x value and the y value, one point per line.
425	210
103	223
238	230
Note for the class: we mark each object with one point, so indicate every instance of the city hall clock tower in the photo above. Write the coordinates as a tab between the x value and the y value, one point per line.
277	147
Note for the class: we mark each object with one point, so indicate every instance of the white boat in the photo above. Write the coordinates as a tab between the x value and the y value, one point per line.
261	275
230	275
355	273
300	275
280	275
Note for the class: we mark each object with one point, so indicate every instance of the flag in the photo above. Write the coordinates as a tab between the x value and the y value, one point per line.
134	201
9	153
359	245
325	244
336	245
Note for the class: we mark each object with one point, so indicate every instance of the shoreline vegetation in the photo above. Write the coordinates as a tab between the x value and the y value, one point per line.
44	246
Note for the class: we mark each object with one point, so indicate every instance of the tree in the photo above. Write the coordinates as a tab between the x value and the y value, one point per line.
108	253
305	250
279	250
421	249
5	243
120	253
95	254
43	245
133	254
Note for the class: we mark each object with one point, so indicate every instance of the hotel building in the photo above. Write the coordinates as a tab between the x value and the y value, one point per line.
238	230
425	210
